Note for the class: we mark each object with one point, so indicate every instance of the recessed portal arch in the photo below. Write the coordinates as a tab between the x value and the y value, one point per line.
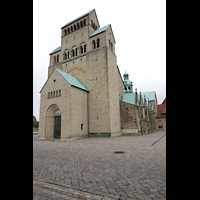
52	112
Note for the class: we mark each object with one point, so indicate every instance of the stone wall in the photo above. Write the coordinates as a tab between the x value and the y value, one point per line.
128	116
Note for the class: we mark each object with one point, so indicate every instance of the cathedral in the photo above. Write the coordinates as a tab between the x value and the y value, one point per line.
85	94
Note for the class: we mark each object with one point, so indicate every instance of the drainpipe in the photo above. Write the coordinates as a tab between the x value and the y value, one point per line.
88	110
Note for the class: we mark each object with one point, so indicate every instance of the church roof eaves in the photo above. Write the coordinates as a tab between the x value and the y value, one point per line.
55	50
99	30
72	80
77	18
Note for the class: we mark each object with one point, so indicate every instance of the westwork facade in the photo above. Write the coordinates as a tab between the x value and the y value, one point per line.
84	94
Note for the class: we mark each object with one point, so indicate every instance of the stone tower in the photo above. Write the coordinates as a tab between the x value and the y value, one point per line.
128	85
83	72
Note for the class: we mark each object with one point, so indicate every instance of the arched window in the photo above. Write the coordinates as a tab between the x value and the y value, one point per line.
85	48
68	30
109	43
77	25
98	43
68	55
91	23
81	24
81	49
54	59
72	52
56	93
65	32
84	22
76	52
93	42
74	27
71	29
65	56
48	95
57	58
51	95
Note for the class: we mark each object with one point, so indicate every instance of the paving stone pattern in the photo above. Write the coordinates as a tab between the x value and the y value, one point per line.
89	169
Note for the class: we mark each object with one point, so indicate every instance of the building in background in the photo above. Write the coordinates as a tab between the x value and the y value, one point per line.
161	116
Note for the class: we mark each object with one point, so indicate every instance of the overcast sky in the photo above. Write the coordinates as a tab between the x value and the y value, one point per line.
139	28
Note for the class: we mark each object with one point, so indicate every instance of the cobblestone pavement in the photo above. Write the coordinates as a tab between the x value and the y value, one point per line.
89	169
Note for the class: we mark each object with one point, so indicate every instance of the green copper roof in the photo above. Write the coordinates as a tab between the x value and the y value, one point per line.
55	50
77	18
151	95
129	98
99	30
72	80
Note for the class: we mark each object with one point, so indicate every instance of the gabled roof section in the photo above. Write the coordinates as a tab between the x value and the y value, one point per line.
151	95
99	30
78	18
55	50
72	80
164	101
161	111
129	98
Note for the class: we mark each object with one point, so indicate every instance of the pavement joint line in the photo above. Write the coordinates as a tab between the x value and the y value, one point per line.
158	140
46	187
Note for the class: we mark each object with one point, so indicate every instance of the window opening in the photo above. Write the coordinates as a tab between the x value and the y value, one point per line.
85	48
93	44
98	43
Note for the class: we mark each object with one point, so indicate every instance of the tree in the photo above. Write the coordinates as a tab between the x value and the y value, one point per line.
35	123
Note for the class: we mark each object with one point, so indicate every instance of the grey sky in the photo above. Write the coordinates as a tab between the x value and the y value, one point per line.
139	28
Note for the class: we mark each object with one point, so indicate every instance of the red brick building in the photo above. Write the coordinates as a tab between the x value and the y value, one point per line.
34	118
161	116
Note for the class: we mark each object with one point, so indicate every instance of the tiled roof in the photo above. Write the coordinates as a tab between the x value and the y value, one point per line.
55	50
77	18
161	111
72	80
164	101
99	30
34	118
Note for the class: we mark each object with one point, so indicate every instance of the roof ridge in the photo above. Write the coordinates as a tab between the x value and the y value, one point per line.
72	80
78	18
99	30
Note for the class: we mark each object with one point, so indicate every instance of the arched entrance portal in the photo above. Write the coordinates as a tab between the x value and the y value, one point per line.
53	122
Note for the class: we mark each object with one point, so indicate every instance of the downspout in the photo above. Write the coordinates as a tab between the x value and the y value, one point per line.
88	110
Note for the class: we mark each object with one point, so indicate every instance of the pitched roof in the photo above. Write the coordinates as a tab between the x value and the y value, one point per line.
55	50
129	98
99	30
161	111
151	95
164	101
77	18
72	80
